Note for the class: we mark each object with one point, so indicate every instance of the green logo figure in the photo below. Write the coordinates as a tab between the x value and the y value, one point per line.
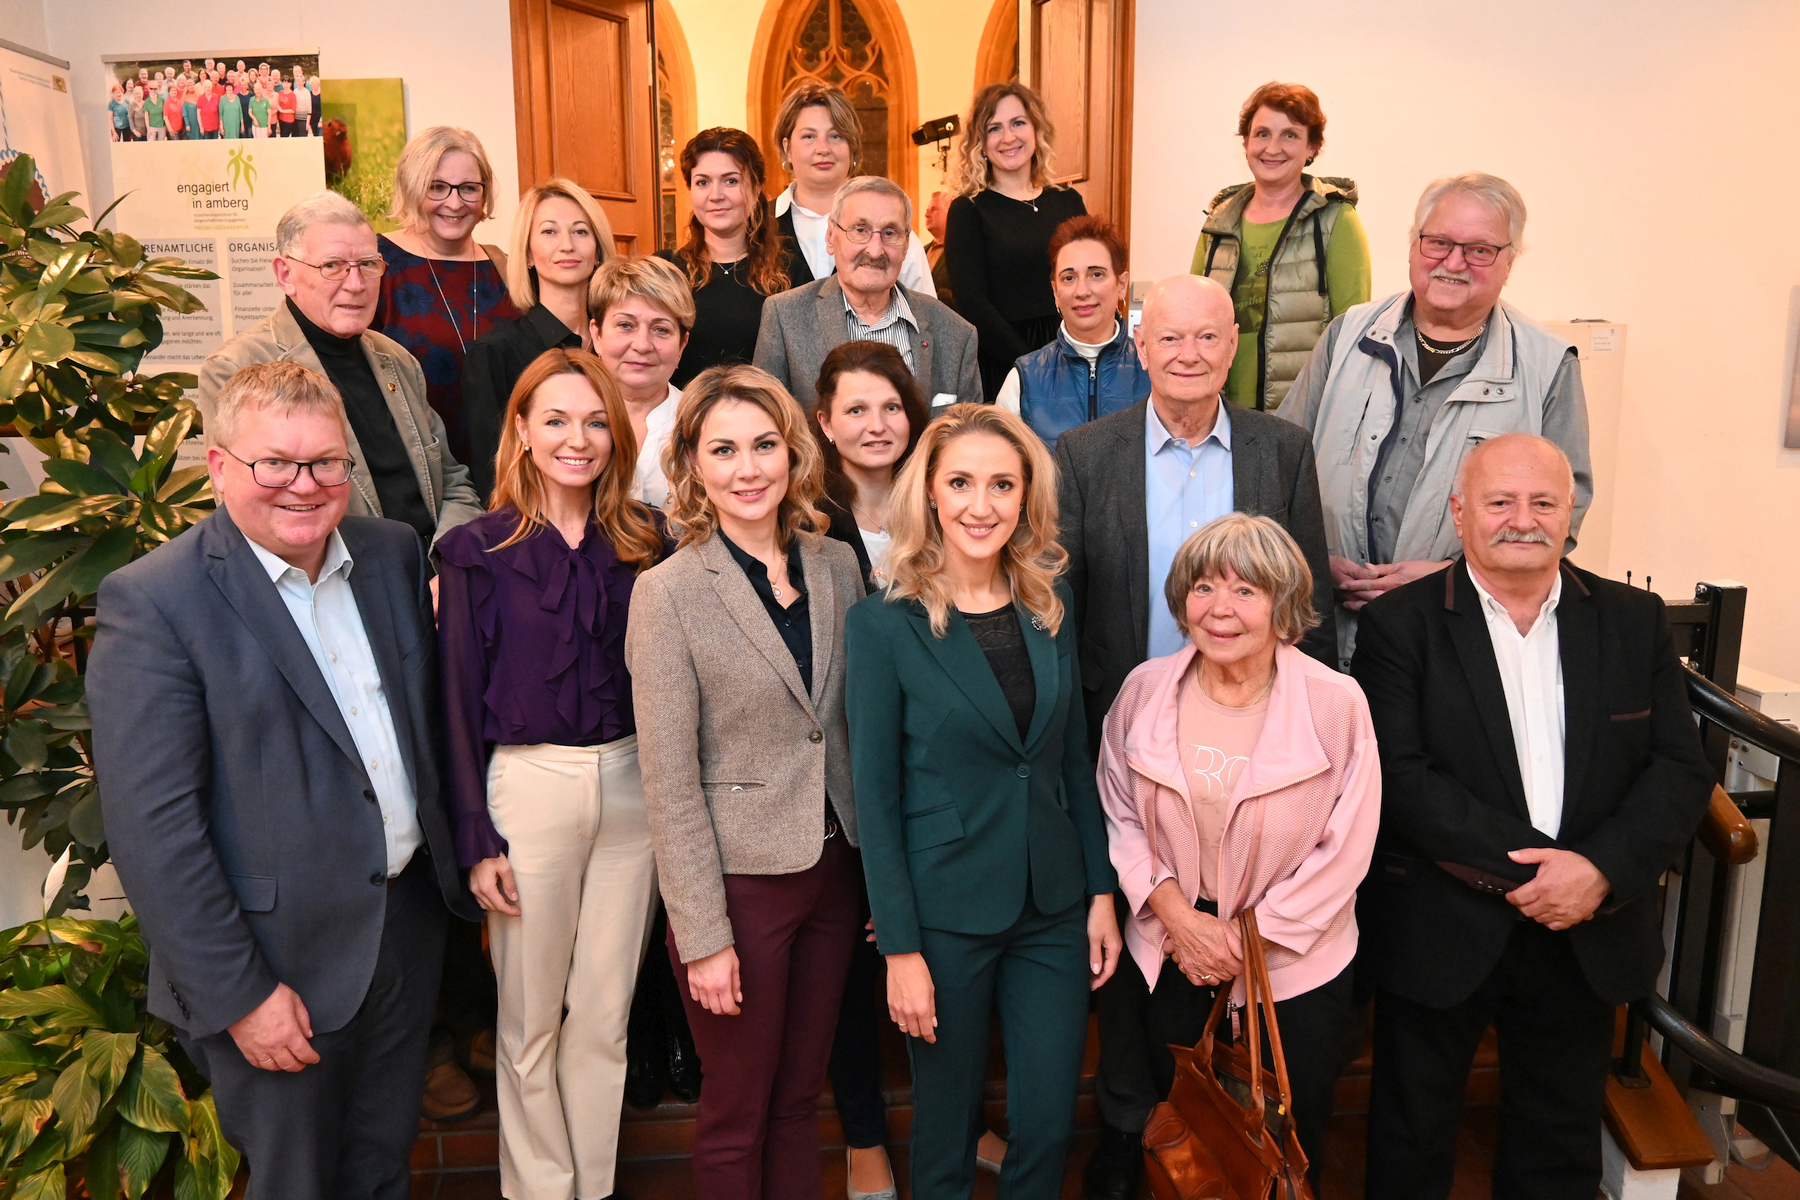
243	170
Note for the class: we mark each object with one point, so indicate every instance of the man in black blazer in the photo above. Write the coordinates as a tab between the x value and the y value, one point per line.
1131	488
1541	769
264	715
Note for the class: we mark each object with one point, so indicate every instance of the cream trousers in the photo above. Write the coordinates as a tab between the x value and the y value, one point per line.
578	840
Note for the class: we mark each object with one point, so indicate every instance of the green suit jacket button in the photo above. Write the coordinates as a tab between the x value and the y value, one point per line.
1024	771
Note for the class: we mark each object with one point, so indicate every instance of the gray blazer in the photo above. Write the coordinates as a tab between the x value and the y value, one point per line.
800	327
443	482
237	809
1100	494
737	758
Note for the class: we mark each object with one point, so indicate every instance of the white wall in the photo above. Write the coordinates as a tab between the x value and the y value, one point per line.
1653	142
455	56
22	23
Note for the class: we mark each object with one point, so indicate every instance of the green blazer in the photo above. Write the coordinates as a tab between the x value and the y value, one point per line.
955	810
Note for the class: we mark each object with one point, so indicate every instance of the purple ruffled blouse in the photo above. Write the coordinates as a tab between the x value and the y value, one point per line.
532	642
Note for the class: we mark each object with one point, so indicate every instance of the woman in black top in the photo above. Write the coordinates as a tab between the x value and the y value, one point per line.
734	257
997	235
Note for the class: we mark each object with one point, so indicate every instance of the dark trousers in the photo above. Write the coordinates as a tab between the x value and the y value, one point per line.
1036	974
856	1047
1137	1070
1555	1039
756	1132
344	1127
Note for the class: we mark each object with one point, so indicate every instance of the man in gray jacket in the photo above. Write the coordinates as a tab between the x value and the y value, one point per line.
1398	390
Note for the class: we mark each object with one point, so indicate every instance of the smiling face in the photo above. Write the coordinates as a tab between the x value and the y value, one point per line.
640	343
1518	498
1276	148
1452	291
1187	338
719	190
292	522
819	154
563	247
866	421
979	489
453	219
567	432
1010	139
343	306
873	267
1231	621
1088	291
743	463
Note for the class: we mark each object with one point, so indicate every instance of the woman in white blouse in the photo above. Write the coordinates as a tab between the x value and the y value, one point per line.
640	313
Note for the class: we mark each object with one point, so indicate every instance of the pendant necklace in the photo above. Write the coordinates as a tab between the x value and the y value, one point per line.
474	308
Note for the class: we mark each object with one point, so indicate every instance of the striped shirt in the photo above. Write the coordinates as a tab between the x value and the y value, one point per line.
896	328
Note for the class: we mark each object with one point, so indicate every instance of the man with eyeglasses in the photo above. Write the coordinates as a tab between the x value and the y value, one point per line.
264	695
1398	390
864	301
328	265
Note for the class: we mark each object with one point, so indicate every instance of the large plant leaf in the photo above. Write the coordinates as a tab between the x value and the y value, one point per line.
110	551
211	1163
22	555
68	512
47	1184
100	1162
46	341
141	1155
18	1055
107	1057
87	822
151	1098
60	272
60	1003
25	744
80	479
17	188
21	1120
77	1100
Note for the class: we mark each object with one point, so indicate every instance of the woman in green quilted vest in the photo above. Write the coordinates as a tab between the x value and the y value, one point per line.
1288	244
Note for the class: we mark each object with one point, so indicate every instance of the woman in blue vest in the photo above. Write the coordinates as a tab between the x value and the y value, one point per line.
1092	367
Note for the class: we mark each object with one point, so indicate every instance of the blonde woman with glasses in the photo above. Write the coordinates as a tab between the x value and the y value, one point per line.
983	841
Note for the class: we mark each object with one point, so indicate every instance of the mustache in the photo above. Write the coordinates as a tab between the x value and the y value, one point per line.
864	259
1535	537
1453	276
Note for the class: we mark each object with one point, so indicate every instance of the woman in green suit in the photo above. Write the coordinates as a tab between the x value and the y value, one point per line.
983	843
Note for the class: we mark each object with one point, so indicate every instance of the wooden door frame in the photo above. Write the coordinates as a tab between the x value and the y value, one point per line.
1119	120
667	38
999	45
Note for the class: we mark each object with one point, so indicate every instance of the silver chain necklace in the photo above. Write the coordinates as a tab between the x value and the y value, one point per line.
1425	343
474	308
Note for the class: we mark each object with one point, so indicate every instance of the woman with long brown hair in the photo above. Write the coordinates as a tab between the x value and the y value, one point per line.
734	255
545	790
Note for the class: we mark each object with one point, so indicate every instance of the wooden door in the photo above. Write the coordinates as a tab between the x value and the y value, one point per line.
583	97
1081	64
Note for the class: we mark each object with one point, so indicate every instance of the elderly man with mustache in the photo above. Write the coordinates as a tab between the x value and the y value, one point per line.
1399	390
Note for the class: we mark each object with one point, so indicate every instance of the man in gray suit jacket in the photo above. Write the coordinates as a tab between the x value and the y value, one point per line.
871	222
1132	488
264	708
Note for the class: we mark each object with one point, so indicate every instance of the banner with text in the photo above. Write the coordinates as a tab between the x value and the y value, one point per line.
37	117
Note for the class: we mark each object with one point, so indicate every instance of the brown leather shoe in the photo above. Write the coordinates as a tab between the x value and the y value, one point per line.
480	1059
450	1095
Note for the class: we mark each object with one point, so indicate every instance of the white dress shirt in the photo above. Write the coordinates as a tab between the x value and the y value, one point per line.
809	231
649	484
329	621
1531	673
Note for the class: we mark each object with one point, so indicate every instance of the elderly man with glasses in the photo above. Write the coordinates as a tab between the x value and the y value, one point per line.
863	301
328	265
1398	390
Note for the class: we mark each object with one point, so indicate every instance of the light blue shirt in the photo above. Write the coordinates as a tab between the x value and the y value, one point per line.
329	621
1184	488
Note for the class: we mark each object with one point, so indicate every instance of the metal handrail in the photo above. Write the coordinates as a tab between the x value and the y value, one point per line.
1745	1079
1730	714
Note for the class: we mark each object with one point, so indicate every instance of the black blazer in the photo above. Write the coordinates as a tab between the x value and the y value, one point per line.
1105	529
798	272
844	528
1636	782
237	808
494	362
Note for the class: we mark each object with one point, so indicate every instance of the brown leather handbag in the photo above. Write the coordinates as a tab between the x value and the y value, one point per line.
1226	1132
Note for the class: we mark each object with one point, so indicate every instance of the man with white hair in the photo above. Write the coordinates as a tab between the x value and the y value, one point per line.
1540	769
1399	389
329	267
863	301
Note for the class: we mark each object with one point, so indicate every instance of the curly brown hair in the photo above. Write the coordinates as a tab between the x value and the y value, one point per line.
767	262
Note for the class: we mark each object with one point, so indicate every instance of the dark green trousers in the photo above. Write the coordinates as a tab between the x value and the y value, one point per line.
1036	974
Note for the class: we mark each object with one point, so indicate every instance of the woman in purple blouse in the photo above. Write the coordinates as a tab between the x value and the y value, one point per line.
543	764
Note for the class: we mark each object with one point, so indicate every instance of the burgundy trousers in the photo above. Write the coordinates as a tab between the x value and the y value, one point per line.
762	1072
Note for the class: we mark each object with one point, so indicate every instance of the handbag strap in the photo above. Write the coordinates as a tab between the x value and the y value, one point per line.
1256	964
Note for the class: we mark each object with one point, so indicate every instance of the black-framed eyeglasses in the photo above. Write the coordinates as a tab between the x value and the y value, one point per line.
281	472
470	193
1476	254
859	235
337	268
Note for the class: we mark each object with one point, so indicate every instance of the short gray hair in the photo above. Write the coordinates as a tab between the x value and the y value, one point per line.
286	387
321	208
1491	190
1258	551
1460	490
871	183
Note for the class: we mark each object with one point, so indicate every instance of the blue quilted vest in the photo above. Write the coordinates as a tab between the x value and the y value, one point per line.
1059	389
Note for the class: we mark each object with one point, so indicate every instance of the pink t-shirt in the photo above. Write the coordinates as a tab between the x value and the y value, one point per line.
1216	742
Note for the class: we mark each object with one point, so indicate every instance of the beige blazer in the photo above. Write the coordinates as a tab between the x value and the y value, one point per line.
443	482
737	757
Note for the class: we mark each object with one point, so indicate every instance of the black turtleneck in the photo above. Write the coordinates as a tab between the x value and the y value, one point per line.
382	449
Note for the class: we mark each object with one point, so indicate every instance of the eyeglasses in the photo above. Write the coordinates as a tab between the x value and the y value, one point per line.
1476	254
859	234
471	193
281	472
338	268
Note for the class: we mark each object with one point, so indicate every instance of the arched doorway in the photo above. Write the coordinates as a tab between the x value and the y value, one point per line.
860	45
675	123
997	55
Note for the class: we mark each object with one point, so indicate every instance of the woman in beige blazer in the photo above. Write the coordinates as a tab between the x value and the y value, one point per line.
736	651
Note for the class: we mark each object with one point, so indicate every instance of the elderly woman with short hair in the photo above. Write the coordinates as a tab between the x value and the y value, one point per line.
1238	773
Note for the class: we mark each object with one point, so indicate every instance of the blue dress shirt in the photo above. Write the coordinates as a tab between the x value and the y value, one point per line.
1185	486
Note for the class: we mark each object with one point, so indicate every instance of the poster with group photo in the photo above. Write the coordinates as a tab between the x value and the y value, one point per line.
209	149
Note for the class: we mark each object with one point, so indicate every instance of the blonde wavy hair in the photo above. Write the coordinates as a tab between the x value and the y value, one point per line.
971	152
1032	557
688	507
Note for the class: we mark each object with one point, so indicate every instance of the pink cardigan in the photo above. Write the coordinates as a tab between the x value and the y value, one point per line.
1299	830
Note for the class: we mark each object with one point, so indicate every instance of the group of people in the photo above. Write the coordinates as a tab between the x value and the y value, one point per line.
878	656
212	101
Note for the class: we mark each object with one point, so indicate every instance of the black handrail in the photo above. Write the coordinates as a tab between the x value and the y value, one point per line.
1730	714
1746	1079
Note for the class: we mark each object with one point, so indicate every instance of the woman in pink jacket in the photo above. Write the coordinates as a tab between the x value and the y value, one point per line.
1239	773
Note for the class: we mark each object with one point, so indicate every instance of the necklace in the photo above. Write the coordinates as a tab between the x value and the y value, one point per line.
1433	346
1261	695
880	524
474	308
